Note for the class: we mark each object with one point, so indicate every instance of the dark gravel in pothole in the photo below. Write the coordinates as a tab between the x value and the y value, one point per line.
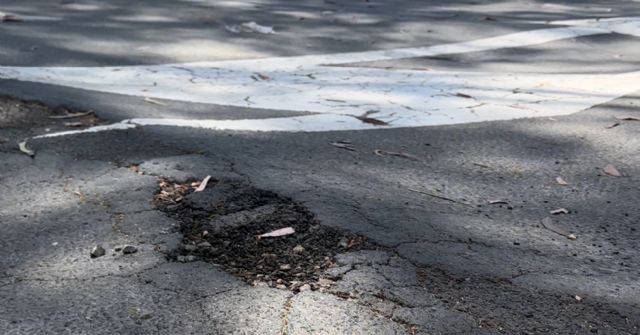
222	223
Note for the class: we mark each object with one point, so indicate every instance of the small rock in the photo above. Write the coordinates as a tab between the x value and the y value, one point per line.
129	249
181	259
189	247
305	287
98	251
298	249
204	245
324	282
117	248
145	316
344	242
285	267
189	258
281	287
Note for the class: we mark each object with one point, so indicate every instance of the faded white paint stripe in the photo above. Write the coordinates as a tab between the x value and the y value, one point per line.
402	98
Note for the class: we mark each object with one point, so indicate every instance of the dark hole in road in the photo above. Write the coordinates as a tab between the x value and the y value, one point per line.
222	223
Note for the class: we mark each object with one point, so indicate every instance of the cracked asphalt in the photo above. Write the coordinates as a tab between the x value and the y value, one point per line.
461	243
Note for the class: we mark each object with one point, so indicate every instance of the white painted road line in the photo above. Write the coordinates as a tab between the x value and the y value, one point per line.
339	94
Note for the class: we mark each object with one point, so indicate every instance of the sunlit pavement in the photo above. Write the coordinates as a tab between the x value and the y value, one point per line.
447	133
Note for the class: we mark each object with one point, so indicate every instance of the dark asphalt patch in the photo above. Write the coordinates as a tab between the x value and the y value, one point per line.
222	223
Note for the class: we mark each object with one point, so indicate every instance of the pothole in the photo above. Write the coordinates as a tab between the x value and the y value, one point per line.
221	225
20	119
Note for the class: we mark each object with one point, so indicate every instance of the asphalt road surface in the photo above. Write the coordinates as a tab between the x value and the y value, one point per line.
486	152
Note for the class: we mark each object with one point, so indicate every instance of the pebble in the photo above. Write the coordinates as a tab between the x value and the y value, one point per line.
186	259
305	287
189	247
129	249
204	245
344	242
298	249
285	267
97	251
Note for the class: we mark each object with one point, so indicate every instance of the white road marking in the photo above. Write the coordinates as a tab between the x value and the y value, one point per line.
339	94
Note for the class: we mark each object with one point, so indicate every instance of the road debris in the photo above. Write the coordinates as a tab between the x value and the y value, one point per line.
438	196
285	267
611	170
298	249
379	152
615	124
154	101
498	202
71	115
97	251
629	118
6	17
561	181
578	298
24	148
343	144
462	95
366	119
203	184
73	124
547	223
129	249
250	27
559	211
278	233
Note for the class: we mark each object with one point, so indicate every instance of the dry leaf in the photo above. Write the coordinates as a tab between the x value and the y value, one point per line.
23	147
547	223
343	145
438	196
9	18
70	115
73	124
278	232
372	121
611	170
249	27
559	211
629	118
366	119
561	181
154	101
203	184
462	95
379	152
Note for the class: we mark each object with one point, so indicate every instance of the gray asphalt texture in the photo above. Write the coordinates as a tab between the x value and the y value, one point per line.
449	261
